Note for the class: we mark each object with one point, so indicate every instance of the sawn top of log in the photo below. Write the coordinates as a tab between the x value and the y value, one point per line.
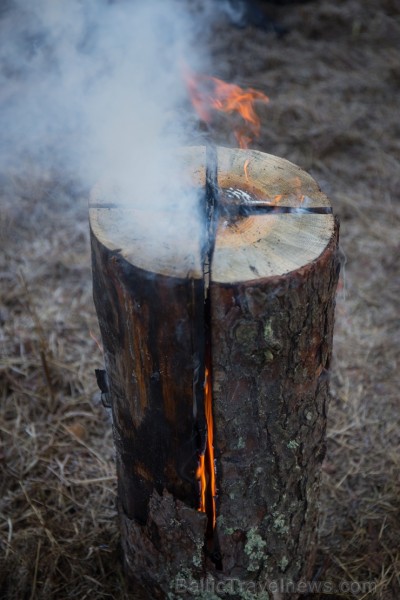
168	240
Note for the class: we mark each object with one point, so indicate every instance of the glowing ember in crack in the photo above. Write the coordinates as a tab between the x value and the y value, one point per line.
205	473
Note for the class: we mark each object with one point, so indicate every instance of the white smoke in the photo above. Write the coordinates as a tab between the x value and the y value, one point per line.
235	10
95	88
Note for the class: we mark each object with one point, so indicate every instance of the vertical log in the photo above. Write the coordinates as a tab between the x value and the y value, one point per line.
271	304
272	343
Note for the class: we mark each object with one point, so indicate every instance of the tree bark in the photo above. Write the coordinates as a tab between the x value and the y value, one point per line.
269	323
272	343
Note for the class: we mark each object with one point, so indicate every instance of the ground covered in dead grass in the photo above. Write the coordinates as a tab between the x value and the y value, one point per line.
334	84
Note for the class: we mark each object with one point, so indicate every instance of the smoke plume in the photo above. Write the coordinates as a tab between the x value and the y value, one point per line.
94	88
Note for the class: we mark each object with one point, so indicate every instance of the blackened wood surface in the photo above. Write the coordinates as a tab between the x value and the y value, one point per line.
153	345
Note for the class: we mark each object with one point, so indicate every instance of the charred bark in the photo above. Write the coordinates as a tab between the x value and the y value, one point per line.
153	391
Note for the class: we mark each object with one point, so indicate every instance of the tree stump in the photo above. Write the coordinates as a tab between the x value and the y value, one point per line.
262	341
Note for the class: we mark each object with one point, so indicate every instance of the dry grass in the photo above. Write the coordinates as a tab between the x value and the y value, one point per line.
334	85
58	529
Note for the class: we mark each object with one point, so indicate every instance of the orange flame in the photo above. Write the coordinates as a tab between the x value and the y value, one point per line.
205	473
246	168
209	93
277	199
298	191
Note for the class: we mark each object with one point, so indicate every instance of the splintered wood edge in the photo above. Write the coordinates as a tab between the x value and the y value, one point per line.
248	248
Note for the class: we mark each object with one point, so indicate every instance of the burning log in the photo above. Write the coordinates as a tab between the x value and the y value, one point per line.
219	383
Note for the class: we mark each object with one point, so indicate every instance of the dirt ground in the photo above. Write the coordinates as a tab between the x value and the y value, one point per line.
334	85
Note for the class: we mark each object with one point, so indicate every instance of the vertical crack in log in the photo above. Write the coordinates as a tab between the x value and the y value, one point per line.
206	472
211	210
